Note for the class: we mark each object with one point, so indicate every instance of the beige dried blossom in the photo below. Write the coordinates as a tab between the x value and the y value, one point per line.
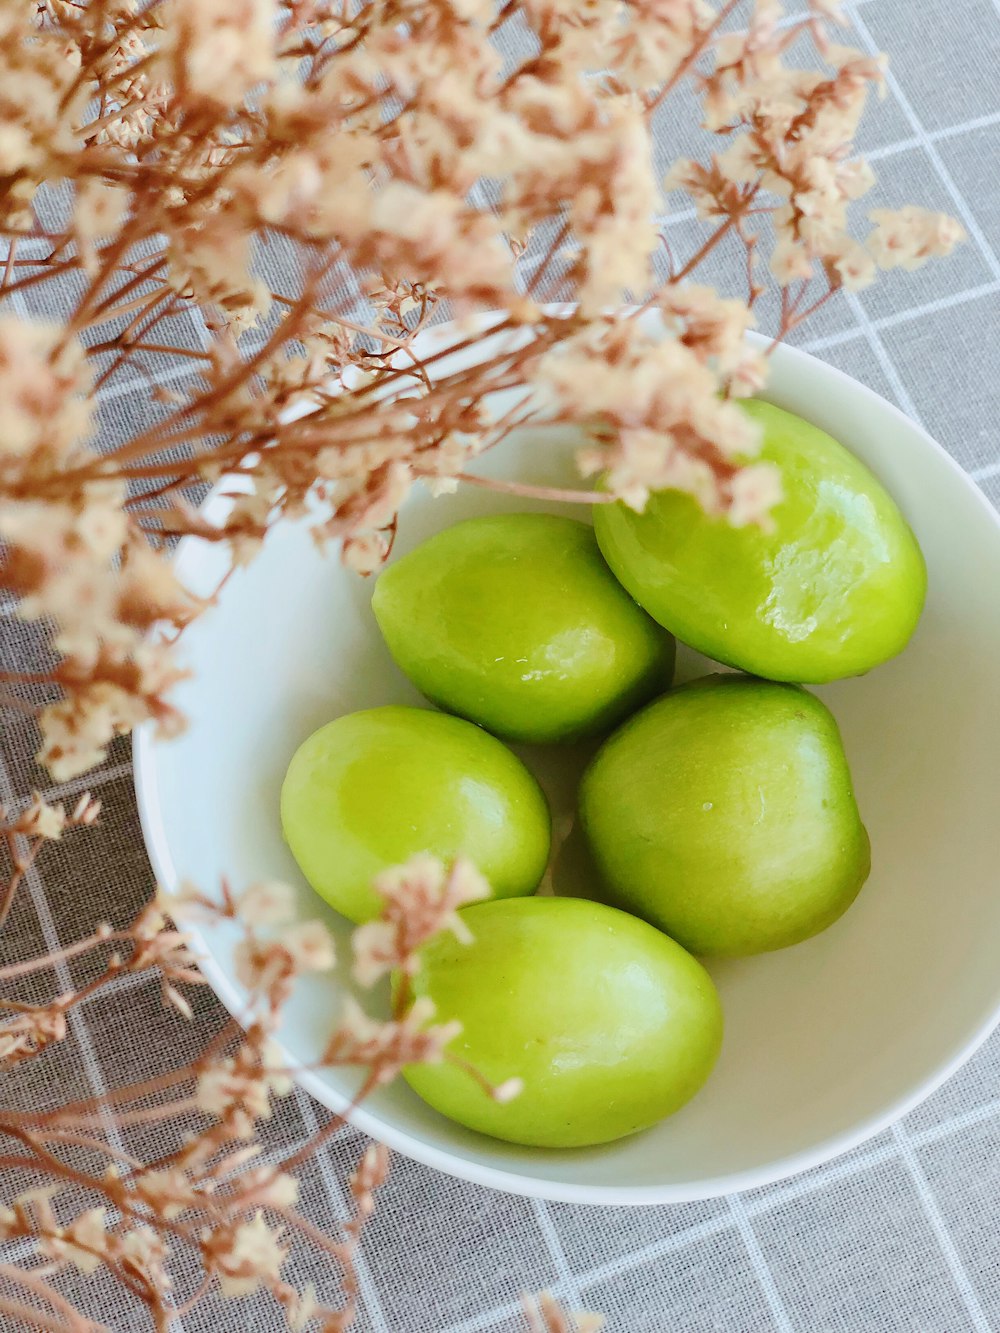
421	899
267	965
84	1243
270	1189
41	820
45	383
386	1047
217	53
671	427
167	1191
145	1251
238	1090
245	1256
267	903
26	1035
545	1315
908	237
301	1308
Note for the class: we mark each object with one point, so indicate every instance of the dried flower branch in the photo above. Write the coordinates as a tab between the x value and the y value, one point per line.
214	1196
26	834
358	147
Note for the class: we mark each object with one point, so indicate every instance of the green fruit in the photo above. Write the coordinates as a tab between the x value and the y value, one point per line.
834	589
372	789
724	814
610	1025
516	622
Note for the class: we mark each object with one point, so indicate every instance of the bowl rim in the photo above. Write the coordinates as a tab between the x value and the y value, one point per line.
454	1163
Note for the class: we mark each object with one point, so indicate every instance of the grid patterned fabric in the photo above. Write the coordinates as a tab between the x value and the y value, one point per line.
899	1236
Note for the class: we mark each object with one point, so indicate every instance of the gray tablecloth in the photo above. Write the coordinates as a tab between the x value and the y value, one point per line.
900	1235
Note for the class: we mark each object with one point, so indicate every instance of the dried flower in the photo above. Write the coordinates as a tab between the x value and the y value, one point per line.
267	967
41	820
83	1243
421	899
245	1255
385	1047
267	903
908	237
238	1090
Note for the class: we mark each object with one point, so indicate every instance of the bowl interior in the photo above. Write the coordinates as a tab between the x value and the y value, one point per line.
825	1042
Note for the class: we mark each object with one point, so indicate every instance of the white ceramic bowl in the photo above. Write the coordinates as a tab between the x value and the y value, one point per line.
827	1042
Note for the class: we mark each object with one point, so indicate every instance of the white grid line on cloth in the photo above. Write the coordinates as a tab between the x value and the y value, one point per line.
927	143
975	1115
943	1236
567	1282
878	348
16	1251
660	1249
928	1202
75	1019
873	154
935	136
781	1193
89	782
985	472
761	1268
803	1186
793	1188
338	1201
36	888
138	380
902	316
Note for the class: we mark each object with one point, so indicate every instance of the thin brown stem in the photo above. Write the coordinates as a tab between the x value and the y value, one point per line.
50	961
166	301
22	864
8	265
790	319
29	1316
547	258
684	68
8	700
556	494
709	245
333	1126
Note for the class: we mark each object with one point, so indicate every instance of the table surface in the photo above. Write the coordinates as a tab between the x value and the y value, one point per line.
899	1235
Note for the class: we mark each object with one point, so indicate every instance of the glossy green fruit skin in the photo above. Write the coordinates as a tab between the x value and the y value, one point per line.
610	1024
724	814
371	789
515	622
836	588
